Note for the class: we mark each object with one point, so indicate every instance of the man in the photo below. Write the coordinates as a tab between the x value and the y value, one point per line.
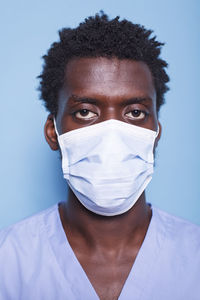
103	84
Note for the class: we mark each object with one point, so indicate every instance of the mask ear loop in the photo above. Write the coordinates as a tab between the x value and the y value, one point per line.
54	122
157	131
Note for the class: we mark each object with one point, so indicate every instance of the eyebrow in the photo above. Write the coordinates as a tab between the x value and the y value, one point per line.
84	99
135	100
129	101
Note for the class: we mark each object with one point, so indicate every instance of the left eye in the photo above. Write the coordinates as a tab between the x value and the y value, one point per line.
136	114
85	114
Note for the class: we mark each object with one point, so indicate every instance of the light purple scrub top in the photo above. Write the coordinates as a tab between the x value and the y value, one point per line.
37	262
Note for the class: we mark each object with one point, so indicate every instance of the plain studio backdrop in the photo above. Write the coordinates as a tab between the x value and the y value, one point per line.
31	176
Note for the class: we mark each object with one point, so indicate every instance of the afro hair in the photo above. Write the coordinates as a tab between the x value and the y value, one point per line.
98	36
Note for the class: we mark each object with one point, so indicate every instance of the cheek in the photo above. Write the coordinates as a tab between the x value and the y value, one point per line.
154	119
67	124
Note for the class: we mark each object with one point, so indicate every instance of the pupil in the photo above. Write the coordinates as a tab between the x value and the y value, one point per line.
136	113
84	112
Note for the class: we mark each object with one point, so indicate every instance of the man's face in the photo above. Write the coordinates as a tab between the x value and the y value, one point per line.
99	89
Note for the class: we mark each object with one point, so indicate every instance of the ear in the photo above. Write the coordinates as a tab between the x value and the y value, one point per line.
50	133
159	134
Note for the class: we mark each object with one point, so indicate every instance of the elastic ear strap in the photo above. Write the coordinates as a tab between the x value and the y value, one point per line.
54	121
158	130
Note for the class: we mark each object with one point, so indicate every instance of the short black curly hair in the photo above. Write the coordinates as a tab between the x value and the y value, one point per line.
98	36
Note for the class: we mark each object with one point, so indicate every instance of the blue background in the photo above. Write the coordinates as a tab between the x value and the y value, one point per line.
31	177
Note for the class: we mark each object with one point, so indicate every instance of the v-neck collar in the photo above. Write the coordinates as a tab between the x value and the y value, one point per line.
139	276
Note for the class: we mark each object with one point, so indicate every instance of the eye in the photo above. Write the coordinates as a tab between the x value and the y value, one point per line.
136	114
85	114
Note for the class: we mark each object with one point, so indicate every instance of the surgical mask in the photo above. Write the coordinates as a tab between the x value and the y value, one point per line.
108	165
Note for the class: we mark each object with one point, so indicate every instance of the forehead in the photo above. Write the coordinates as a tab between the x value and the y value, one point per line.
108	75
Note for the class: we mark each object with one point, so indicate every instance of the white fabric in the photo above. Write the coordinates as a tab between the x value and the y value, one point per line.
37	262
108	165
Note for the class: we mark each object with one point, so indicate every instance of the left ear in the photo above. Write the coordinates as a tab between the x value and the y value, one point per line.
159	134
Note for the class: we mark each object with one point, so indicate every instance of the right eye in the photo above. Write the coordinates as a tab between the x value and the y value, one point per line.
85	114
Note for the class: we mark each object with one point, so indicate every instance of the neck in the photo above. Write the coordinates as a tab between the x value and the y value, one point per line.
104	232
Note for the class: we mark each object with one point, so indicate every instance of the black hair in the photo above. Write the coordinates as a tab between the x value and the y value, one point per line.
98	36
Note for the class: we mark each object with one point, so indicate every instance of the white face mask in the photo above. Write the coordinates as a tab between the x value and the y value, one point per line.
108	165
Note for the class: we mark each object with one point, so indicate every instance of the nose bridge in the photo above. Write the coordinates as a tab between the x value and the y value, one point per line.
113	147
111	112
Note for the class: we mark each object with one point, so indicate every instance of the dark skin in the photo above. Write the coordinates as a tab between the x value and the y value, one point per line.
95	90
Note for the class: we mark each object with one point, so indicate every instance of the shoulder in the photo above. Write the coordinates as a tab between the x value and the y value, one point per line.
181	234
23	248
177	262
25	231
172	222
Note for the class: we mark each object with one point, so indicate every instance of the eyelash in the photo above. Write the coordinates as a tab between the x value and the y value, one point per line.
82	110
140	112
90	111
